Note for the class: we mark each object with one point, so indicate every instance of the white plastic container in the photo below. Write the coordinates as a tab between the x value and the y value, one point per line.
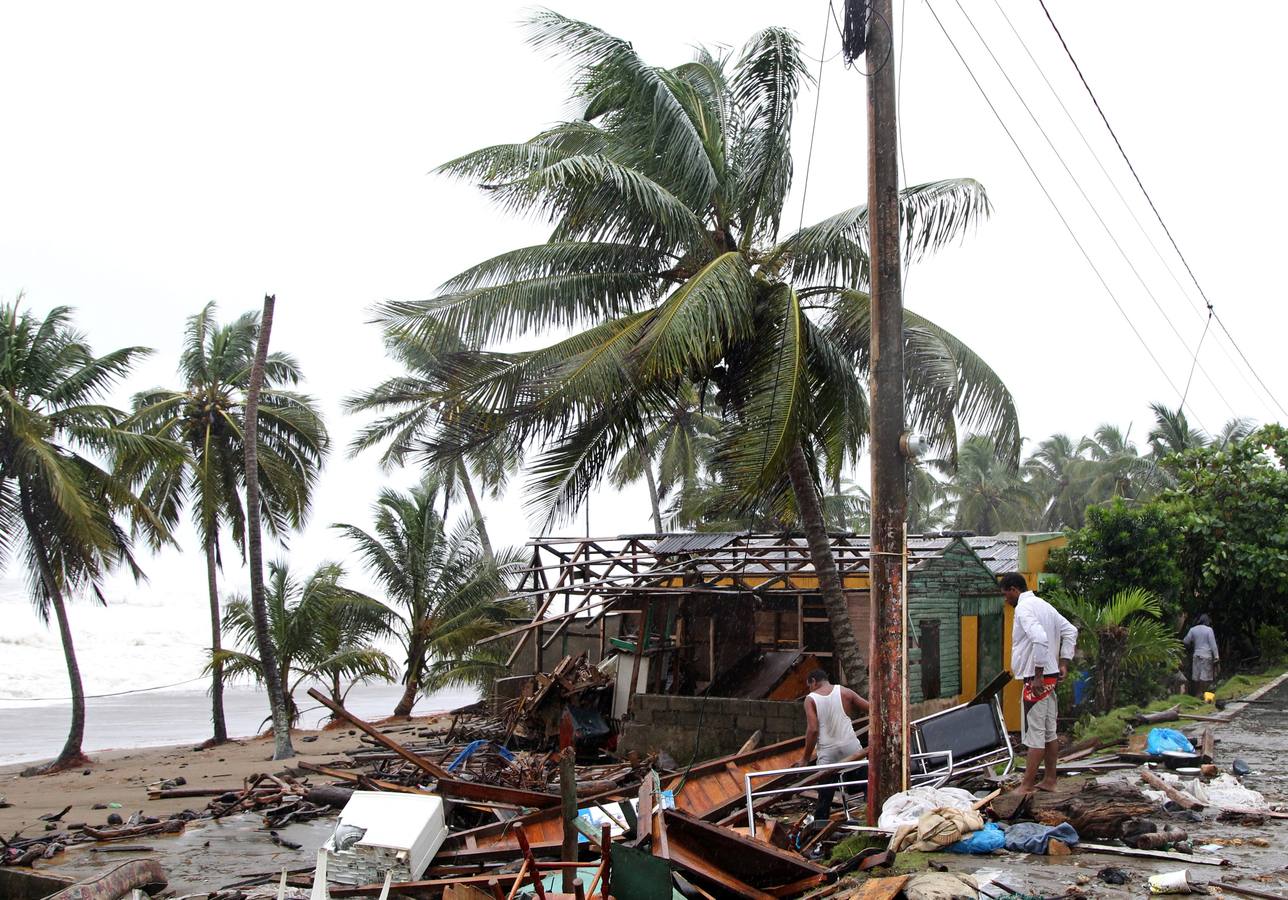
1177	882
403	832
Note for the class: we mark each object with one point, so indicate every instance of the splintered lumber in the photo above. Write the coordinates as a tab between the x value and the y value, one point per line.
125	832
882	888
1094	810
1186	801
465	790
748	867
1207	745
1196	858
382	739
137	874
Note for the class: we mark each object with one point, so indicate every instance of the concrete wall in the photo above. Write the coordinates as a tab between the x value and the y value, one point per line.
719	725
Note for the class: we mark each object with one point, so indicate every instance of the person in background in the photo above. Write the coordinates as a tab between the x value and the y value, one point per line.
1201	642
829	709
1042	644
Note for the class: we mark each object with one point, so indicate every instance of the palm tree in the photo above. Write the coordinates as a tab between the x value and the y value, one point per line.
411	412
990	497
1059	477
680	445
1172	432
449	597
320	629
1120	638
57	501
667	260
207	416
1118	469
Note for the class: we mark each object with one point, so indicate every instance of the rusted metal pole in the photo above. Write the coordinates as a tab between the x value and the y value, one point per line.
889	486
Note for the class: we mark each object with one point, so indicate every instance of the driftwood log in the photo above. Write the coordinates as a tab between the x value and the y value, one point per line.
1094	810
145	874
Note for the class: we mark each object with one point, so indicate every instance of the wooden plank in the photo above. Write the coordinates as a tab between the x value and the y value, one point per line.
466	790
382	739
1154	854
882	888
1178	796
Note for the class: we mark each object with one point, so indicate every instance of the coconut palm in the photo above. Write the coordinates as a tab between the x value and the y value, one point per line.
929	506
410	413
447	594
680	445
990	497
667	262
1172	432
59	505
1059	476
321	631
207	415
1118	469
1119	638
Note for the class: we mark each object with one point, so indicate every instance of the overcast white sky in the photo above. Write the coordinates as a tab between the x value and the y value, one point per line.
157	156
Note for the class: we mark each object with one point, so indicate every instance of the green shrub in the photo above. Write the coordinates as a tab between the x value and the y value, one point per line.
1271	644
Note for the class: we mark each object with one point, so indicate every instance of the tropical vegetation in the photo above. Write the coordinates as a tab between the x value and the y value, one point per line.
206	416
669	263
321	631
446	591
64	511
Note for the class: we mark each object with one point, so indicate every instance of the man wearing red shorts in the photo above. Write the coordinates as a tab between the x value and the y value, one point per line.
1042	643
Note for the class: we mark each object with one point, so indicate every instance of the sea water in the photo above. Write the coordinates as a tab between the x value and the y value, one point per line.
145	642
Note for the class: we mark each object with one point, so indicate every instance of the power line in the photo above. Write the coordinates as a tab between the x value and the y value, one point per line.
1092	206
1113	183
1153	207
1051	200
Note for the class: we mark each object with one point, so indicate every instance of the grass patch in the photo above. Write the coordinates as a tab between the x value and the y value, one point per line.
1116	724
854	845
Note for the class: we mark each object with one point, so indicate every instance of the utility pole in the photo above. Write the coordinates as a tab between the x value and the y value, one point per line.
886	753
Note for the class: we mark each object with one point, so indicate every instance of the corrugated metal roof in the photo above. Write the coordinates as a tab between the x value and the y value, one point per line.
1001	553
689	543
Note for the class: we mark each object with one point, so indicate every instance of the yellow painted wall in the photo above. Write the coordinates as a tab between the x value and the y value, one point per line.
1034	550
970	654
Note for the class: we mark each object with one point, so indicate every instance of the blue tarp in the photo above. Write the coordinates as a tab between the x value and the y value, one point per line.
1163	739
471	748
989	838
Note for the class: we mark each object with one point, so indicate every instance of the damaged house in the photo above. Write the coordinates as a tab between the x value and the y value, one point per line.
716	631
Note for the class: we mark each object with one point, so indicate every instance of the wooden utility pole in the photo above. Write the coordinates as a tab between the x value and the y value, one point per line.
889	488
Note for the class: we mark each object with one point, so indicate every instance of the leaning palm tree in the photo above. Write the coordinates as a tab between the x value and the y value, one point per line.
448	595
58	503
667	261
990	497
1119	638
206	415
321	631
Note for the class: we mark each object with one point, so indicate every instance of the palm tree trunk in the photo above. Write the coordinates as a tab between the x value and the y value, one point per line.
71	754
477	512
412	678
653	497
264	642
846	645
217	667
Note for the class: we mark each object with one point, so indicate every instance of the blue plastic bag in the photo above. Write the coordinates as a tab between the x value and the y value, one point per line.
986	840
1163	739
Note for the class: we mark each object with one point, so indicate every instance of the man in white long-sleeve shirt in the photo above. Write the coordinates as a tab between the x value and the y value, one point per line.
1042	644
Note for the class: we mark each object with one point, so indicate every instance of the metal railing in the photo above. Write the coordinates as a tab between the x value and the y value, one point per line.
935	777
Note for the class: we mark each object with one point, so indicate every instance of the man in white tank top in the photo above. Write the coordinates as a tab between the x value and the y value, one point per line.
829	709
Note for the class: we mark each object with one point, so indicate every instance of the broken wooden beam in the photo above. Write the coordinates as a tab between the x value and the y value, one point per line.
380	738
1176	795
1195	858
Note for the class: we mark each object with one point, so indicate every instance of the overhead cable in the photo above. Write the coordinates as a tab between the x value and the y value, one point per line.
1095	211
1157	214
1050	199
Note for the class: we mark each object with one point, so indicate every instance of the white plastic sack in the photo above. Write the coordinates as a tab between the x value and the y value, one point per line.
908	807
1226	792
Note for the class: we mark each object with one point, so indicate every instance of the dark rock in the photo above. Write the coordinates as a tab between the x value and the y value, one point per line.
115	819
1112	875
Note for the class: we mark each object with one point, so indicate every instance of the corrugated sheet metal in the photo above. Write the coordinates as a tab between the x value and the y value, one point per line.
689	543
